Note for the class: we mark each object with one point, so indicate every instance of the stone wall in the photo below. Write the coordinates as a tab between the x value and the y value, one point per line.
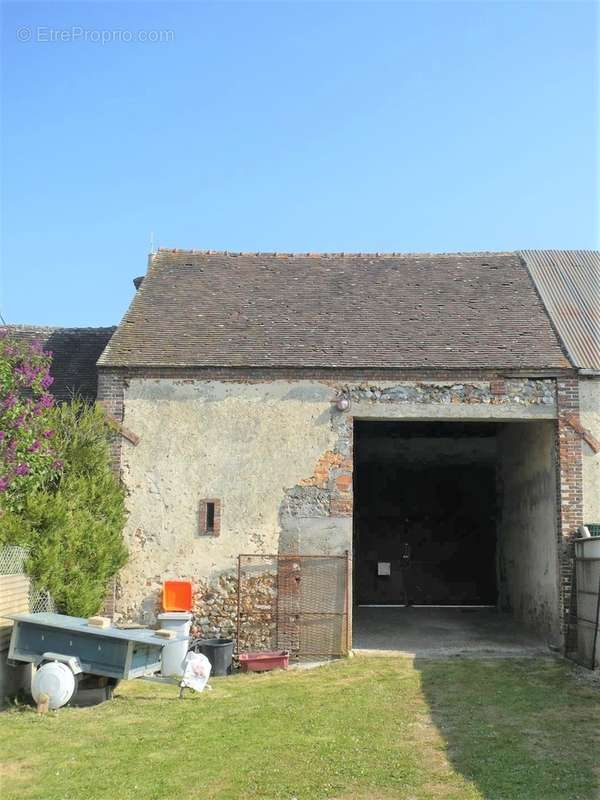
520	391
276	454
244	444
527	529
589	393
215	609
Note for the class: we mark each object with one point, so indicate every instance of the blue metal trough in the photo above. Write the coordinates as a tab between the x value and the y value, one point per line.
110	652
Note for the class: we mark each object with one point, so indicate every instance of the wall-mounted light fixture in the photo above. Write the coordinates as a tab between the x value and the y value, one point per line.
342	403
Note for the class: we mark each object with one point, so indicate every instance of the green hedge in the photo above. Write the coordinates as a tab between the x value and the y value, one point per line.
74	526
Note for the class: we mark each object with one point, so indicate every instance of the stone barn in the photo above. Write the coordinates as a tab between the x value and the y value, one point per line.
412	411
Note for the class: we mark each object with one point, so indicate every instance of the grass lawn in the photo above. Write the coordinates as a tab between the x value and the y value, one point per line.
365	728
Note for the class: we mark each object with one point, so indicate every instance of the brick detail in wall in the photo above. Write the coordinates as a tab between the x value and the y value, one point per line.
333	473
328	492
110	395
111	386
570	491
109	607
334	375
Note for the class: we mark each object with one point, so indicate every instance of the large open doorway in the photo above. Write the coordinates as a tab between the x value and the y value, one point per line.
425	513
455	515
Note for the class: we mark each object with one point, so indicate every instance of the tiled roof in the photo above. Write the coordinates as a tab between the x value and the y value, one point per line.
569	284
464	310
75	352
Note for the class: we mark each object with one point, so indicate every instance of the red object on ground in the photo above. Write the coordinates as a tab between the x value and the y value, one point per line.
261	662
177	596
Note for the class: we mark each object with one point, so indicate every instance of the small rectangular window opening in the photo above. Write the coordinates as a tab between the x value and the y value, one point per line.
210	517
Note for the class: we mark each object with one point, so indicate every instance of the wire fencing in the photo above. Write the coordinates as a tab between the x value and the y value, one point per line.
13	561
298	603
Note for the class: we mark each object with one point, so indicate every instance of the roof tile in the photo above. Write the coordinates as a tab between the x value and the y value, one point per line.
75	353
462	310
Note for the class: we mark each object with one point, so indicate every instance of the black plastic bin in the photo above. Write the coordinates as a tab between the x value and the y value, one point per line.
218	651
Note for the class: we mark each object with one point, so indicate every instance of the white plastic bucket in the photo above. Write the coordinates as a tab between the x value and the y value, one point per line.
173	655
54	680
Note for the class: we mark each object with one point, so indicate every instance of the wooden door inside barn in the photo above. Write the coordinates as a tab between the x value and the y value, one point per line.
425	514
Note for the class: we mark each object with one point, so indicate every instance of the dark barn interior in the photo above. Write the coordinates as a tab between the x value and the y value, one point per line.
425	513
450	516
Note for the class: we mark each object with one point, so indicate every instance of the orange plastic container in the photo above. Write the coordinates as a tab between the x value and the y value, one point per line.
177	596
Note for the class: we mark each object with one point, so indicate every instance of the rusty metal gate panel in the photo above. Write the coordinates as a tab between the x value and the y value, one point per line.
298	603
587	589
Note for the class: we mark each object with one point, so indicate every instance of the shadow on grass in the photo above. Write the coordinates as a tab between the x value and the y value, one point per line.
518	730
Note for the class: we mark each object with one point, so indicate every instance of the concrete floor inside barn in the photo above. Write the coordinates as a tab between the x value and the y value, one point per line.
441	632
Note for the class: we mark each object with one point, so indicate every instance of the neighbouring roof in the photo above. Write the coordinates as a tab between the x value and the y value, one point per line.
569	284
75	353
462	310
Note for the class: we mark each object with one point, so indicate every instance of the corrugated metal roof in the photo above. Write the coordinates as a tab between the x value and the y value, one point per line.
569	284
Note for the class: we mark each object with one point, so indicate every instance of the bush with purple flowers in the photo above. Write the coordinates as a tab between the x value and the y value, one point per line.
58	493
27	457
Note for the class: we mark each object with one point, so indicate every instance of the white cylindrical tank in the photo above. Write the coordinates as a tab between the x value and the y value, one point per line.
173	655
55	680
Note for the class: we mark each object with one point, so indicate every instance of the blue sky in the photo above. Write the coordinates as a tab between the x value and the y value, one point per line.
285	126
